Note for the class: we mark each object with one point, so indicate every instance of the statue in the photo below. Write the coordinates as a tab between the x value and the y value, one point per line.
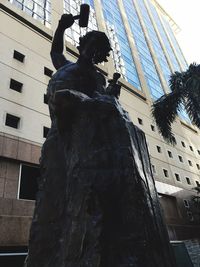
97	205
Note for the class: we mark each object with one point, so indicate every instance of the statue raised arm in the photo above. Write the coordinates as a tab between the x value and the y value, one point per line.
56	53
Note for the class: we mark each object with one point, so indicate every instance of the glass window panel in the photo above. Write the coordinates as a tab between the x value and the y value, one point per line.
38	9
73	7
124	62
148	66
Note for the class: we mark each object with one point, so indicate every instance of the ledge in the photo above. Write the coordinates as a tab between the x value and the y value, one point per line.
188	127
132	89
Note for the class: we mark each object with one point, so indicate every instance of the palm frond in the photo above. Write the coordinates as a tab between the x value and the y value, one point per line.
176	81
164	111
192	101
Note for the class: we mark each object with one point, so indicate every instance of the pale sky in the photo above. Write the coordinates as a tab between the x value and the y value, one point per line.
187	15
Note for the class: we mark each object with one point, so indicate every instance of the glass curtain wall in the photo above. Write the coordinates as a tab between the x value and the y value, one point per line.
38	9
122	54
73	7
175	43
154	40
146	60
164	37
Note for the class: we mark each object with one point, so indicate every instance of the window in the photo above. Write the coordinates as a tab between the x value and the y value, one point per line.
183	144
15	85
165	173
177	177
28	186
169	154
38	9
186	203
198	166
153	168
197	183
180	158
48	72
140	121
13	256
45	131
12	121
158	149
45	100
198	151
18	56
190	162
190	216
188	180
191	148
153	128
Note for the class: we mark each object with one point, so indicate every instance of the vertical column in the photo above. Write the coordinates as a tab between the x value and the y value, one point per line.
102	27
157	65
159	37
57	11
134	50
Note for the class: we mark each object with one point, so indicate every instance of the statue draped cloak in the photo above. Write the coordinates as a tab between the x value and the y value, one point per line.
97	205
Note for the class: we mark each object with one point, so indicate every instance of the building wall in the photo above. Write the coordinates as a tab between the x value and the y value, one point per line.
25	34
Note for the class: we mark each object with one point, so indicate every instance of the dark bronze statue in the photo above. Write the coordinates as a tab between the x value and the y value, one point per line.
97	205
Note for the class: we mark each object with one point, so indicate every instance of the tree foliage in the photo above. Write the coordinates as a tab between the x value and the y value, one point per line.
185	91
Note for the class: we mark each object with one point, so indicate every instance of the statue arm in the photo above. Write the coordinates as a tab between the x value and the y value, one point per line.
57	57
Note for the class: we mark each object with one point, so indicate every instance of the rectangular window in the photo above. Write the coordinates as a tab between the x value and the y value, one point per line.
191	148
183	144
177	177
190	162
169	154
188	180
15	85
186	203
180	158
153	128
45	100
45	131
28	186
198	166
13	256
18	56
12	121
153	168
140	121
48	72
166	174
197	183
158	149
190	216
198	151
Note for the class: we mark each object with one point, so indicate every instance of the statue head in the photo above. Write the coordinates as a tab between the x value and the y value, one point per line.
94	47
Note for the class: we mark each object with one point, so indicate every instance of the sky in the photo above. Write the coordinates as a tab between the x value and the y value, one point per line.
187	15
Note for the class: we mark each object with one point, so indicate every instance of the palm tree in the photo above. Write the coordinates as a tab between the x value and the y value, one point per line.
185	91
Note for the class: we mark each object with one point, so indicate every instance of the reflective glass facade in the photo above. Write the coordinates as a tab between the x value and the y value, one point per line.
159	53
38	9
163	35
122	54
175	43
73	7
146	60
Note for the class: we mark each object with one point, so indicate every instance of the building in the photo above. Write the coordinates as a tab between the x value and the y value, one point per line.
145	52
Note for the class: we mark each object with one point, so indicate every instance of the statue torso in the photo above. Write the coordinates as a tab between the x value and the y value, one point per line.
77	77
